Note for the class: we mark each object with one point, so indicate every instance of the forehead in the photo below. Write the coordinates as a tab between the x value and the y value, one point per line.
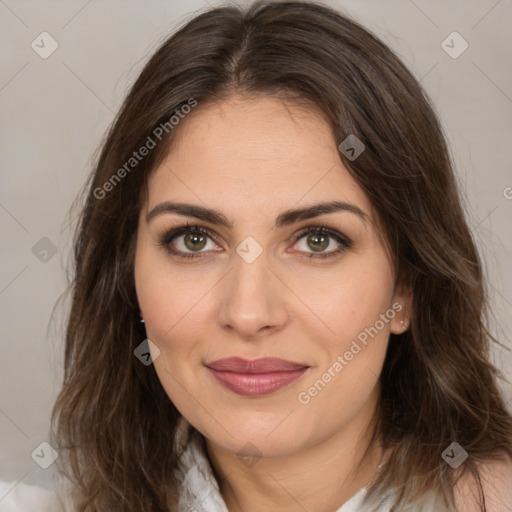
254	155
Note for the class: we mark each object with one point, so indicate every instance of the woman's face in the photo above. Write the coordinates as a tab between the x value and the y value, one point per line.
252	285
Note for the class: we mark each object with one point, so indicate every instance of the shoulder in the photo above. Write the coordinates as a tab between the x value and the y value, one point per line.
496	484
20	497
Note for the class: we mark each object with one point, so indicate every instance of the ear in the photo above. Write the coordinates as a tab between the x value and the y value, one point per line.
402	303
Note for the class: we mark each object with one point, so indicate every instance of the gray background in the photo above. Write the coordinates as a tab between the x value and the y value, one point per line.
55	111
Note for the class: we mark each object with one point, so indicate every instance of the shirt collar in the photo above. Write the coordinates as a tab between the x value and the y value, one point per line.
198	487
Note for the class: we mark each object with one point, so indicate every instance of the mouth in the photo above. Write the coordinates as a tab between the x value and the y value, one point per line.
257	377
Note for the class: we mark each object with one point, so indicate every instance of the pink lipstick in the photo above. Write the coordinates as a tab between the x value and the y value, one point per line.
256	377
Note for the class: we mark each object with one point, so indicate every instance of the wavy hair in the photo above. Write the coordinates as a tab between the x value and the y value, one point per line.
113	424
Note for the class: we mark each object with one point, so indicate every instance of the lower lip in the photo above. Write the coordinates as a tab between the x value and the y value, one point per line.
253	384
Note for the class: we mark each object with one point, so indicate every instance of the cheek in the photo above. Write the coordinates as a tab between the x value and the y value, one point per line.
170	303
346	378
169	297
357	316
351	299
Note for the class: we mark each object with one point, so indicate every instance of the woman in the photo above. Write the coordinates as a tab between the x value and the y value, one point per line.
278	304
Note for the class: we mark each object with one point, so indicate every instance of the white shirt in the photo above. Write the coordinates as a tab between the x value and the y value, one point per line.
20	497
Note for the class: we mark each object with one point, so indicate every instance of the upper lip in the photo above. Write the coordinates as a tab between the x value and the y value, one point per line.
262	365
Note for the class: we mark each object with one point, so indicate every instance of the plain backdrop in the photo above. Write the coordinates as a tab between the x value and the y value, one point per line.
55	110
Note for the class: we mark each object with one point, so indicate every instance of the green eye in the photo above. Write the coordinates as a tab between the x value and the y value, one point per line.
318	239
185	241
189	242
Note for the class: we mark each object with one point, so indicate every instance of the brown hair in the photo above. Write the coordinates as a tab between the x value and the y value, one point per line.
115	425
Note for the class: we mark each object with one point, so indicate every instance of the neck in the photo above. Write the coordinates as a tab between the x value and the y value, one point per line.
320	477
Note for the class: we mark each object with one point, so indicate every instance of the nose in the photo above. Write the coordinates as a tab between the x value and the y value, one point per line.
253	300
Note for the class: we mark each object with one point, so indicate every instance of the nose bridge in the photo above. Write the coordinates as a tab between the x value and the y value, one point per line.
251	301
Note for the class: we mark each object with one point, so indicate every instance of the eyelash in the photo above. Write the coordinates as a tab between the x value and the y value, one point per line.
167	237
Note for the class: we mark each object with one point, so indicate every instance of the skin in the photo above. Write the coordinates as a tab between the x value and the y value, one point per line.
251	159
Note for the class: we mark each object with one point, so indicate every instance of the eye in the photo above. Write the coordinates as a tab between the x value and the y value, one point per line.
187	241
320	238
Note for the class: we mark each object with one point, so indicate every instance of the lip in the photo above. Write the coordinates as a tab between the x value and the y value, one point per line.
261	365
255	377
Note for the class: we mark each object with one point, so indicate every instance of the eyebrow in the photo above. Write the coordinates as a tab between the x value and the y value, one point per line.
286	218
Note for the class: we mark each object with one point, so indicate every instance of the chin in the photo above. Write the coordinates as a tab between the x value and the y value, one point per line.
258	437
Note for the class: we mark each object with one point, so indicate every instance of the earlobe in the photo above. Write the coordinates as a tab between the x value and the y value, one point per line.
403	296
401	322
403	325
